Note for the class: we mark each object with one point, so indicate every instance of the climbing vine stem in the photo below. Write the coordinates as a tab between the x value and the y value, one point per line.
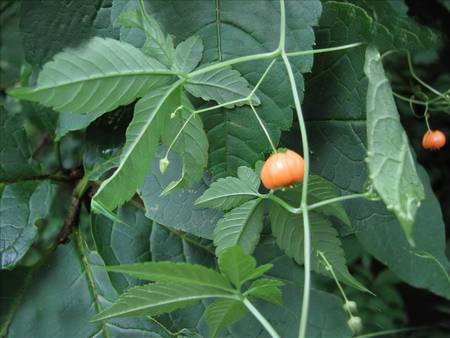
304	197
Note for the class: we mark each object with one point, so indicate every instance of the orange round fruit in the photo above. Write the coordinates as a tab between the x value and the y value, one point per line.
433	140
282	169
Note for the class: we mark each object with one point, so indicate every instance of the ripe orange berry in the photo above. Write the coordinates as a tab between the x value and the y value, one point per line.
282	169
433	140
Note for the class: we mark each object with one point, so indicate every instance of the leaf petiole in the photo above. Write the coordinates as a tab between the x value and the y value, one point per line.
325	50
261	318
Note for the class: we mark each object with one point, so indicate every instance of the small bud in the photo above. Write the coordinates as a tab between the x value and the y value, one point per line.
350	306
173	115
355	324
163	165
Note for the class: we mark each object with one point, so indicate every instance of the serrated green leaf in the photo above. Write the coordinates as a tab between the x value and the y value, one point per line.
156	298
222	85
21	205
191	145
174	273
227	193
240	226
238	266
188	54
15	153
222	313
288	231
143	134
391	164
266	289
98	76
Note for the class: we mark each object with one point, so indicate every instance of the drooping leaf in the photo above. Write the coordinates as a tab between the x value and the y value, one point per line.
150	116
234	29
337	119
391	164
15	153
266	289
191	145
240	226
182	273
177	209
222	313
288	231
21	205
230	192
237	266
154	299
188	54
97	76
49	26
222	85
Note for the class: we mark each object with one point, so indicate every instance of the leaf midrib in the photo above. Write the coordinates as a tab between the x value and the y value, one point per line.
107	76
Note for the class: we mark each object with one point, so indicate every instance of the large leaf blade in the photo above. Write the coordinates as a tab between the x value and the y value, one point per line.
98	76
391	165
143	133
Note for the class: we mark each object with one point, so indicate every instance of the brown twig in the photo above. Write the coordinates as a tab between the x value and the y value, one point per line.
71	220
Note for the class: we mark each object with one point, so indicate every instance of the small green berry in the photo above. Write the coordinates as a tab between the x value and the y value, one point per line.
350	306
355	324
163	164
